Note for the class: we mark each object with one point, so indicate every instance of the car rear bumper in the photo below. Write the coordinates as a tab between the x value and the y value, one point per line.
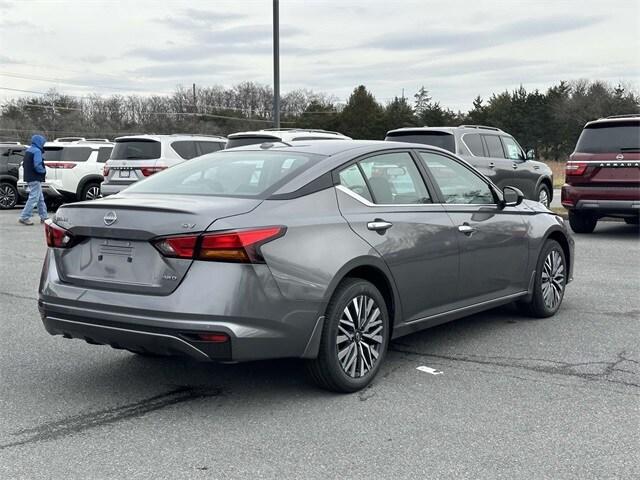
258	325
602	200
48	189
112	188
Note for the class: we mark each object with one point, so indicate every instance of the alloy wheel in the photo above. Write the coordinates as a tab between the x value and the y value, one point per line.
543	197
7	196
360	338
553	279
93	192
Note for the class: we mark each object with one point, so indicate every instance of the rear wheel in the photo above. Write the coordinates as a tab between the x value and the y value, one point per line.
8	196
550	281
582	222
544	195
354	338
90	191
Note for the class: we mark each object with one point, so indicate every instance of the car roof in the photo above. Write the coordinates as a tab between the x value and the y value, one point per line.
483	128
84	144
175	136
615	119
289	134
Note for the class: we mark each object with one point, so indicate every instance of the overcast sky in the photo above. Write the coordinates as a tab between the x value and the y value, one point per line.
456	49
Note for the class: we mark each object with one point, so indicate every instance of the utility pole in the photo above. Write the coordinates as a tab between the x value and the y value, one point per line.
276	64
195	108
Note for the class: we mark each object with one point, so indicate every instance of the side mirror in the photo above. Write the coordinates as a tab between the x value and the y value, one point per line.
531	154
512	197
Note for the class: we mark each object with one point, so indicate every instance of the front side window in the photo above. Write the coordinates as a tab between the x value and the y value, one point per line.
494	146
351	178
228	173
458	184
514	152
394	179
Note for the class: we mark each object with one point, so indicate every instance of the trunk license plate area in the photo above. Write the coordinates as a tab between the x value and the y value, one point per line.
125	173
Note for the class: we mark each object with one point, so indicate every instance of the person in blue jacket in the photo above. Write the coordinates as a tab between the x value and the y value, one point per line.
34	174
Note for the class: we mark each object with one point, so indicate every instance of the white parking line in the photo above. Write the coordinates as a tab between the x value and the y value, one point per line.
430	370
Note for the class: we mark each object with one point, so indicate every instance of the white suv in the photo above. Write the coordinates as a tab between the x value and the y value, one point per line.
281	135
74	171
138	156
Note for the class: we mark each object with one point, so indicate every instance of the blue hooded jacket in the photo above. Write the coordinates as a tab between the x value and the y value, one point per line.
33	163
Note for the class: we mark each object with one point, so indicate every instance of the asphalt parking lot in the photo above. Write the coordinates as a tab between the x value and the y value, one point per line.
517	398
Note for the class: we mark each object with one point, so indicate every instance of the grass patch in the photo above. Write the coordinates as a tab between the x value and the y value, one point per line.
558	172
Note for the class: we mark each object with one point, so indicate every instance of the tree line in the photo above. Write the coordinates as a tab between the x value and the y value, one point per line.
548	121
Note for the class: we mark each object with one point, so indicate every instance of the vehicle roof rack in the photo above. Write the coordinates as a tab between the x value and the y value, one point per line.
317	130
484	127
626	115
9	142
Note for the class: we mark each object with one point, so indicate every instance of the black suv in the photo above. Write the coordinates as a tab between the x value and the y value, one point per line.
492	152
11	154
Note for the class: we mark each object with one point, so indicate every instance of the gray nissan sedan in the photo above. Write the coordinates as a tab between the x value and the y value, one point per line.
322	250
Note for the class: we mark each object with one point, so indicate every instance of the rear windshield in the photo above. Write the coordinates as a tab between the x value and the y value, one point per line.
136	149
227	173
610	137
241	141
437	139
67	154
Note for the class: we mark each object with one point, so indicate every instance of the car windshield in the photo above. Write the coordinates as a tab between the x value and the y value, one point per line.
610	137
437	139
234	174
135	149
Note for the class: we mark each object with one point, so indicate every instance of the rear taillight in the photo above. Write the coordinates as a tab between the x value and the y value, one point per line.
63	165
148	171
575	168
57	237
105	171
238	246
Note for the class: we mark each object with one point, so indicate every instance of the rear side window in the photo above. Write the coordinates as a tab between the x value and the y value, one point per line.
394	178
230	173
610	137
494	146
474	144
252	140
67	154
437	139
351	178
185	148
209	147
136	149
103	154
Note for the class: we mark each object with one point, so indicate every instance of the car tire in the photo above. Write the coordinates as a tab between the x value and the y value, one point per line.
543	195
550	282
8	196
582	222
352	345
90	191
632	221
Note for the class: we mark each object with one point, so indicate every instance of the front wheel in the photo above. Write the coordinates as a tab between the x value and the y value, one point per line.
582	222
551	279
354	338
8	196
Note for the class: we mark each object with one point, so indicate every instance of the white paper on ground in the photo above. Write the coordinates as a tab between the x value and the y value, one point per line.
430	370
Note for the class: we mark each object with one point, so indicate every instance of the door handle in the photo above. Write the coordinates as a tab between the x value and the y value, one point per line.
515	166
466	229
379	225
492	165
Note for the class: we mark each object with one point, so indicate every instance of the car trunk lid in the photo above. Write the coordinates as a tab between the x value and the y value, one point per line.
114	249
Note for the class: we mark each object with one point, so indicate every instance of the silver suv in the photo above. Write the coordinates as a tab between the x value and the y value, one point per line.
492	152
136	157
270	135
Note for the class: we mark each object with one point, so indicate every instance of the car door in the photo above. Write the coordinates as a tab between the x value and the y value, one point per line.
386	202
500	166
493	241
525	174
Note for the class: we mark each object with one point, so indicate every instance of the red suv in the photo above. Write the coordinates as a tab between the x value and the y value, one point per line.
603	173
